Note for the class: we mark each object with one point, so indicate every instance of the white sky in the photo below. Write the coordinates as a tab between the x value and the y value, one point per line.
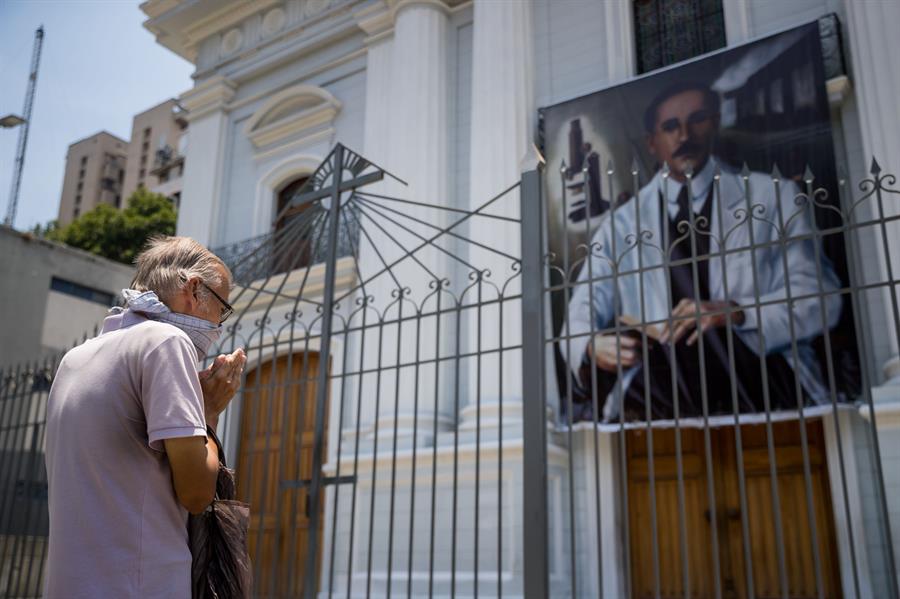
99	67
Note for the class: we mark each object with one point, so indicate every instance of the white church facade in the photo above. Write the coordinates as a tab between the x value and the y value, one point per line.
444	94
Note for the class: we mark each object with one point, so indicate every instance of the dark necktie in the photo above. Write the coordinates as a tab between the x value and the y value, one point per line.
684	204
682	275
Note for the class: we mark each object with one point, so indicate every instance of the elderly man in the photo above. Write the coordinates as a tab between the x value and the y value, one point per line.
701	284
127	449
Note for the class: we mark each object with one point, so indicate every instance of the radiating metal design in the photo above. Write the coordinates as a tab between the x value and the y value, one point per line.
401	432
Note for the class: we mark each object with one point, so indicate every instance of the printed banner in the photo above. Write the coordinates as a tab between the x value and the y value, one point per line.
693	217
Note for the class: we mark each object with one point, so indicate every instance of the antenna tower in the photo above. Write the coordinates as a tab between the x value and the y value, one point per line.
23	132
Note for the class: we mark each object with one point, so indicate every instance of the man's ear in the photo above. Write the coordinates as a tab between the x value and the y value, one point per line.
192	288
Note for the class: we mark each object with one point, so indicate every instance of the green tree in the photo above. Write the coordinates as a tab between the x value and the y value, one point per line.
119	234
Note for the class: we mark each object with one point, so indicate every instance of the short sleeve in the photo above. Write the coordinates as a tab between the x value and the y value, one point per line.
170	393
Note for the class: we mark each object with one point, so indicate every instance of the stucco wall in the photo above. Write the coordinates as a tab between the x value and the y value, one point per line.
33	324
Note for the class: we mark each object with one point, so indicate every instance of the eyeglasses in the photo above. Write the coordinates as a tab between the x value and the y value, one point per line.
229	309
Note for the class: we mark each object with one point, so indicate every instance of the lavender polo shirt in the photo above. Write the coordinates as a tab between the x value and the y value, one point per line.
116	527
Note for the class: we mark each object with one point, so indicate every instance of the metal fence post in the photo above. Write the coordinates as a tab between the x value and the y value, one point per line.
311	583
534	467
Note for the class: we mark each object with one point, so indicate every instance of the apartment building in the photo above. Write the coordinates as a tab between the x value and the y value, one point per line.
155	153
95	172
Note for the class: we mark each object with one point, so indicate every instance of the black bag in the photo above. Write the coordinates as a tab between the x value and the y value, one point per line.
220	567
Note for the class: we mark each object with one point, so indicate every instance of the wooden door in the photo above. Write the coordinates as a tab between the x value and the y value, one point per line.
796	528
698	529
669	530
275	453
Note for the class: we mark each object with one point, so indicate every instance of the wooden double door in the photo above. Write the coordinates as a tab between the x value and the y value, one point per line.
277	435
796	528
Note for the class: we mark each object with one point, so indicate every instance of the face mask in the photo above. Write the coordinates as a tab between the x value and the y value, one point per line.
203	334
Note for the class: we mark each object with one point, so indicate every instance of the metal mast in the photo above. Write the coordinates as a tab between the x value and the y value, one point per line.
23	132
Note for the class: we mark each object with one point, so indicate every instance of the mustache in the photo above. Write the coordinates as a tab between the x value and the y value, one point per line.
686	148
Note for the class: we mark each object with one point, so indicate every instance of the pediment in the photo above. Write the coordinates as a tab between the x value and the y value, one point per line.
296	112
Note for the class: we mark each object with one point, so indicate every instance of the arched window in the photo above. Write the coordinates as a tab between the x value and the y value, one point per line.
292	247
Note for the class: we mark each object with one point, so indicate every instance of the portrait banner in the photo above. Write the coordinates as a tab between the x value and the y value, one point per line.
698	262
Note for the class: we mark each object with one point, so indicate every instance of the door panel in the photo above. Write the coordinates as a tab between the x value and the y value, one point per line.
277	435
668	523
799	553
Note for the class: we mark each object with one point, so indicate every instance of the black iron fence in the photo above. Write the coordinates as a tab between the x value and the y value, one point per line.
464	403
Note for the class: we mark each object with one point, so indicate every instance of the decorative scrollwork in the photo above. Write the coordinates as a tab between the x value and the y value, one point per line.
364	300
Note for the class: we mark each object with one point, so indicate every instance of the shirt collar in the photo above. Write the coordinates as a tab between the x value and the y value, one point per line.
700	184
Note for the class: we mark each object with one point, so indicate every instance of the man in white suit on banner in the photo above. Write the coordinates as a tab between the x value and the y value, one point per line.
766	257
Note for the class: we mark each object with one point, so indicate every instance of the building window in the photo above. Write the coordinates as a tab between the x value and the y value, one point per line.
669	31
78	199
77	290
83	161
76	212
118	201
81	174
80	186
146	132
141	174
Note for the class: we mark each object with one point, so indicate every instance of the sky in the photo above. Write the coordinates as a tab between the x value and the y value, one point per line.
99	67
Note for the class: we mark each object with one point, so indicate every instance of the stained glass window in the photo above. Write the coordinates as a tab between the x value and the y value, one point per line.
669	31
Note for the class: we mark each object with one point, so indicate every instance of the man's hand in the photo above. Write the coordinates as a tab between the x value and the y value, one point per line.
603	350
687	309
220	382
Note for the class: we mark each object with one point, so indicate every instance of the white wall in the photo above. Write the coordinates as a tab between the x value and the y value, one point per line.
570	49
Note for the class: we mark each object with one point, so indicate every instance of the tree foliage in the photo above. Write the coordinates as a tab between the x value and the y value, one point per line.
118	234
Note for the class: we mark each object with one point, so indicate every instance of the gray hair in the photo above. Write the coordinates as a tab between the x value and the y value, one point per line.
166	263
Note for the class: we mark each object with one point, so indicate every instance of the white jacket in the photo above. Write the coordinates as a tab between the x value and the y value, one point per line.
616	237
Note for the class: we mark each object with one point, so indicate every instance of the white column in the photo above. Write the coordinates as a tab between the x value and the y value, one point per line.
204	164
377	22
873	46
406	132
503	117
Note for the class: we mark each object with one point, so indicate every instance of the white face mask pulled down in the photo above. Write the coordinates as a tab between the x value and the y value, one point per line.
203	333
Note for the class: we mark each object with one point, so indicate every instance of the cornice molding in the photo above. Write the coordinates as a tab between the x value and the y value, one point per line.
210	96
228	16
376	20
154	8
182	26
399	5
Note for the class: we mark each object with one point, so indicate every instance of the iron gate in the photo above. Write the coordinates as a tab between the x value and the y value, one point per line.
402	327
409	426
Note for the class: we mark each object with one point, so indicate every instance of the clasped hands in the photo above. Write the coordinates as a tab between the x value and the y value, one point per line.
607	354
220	381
